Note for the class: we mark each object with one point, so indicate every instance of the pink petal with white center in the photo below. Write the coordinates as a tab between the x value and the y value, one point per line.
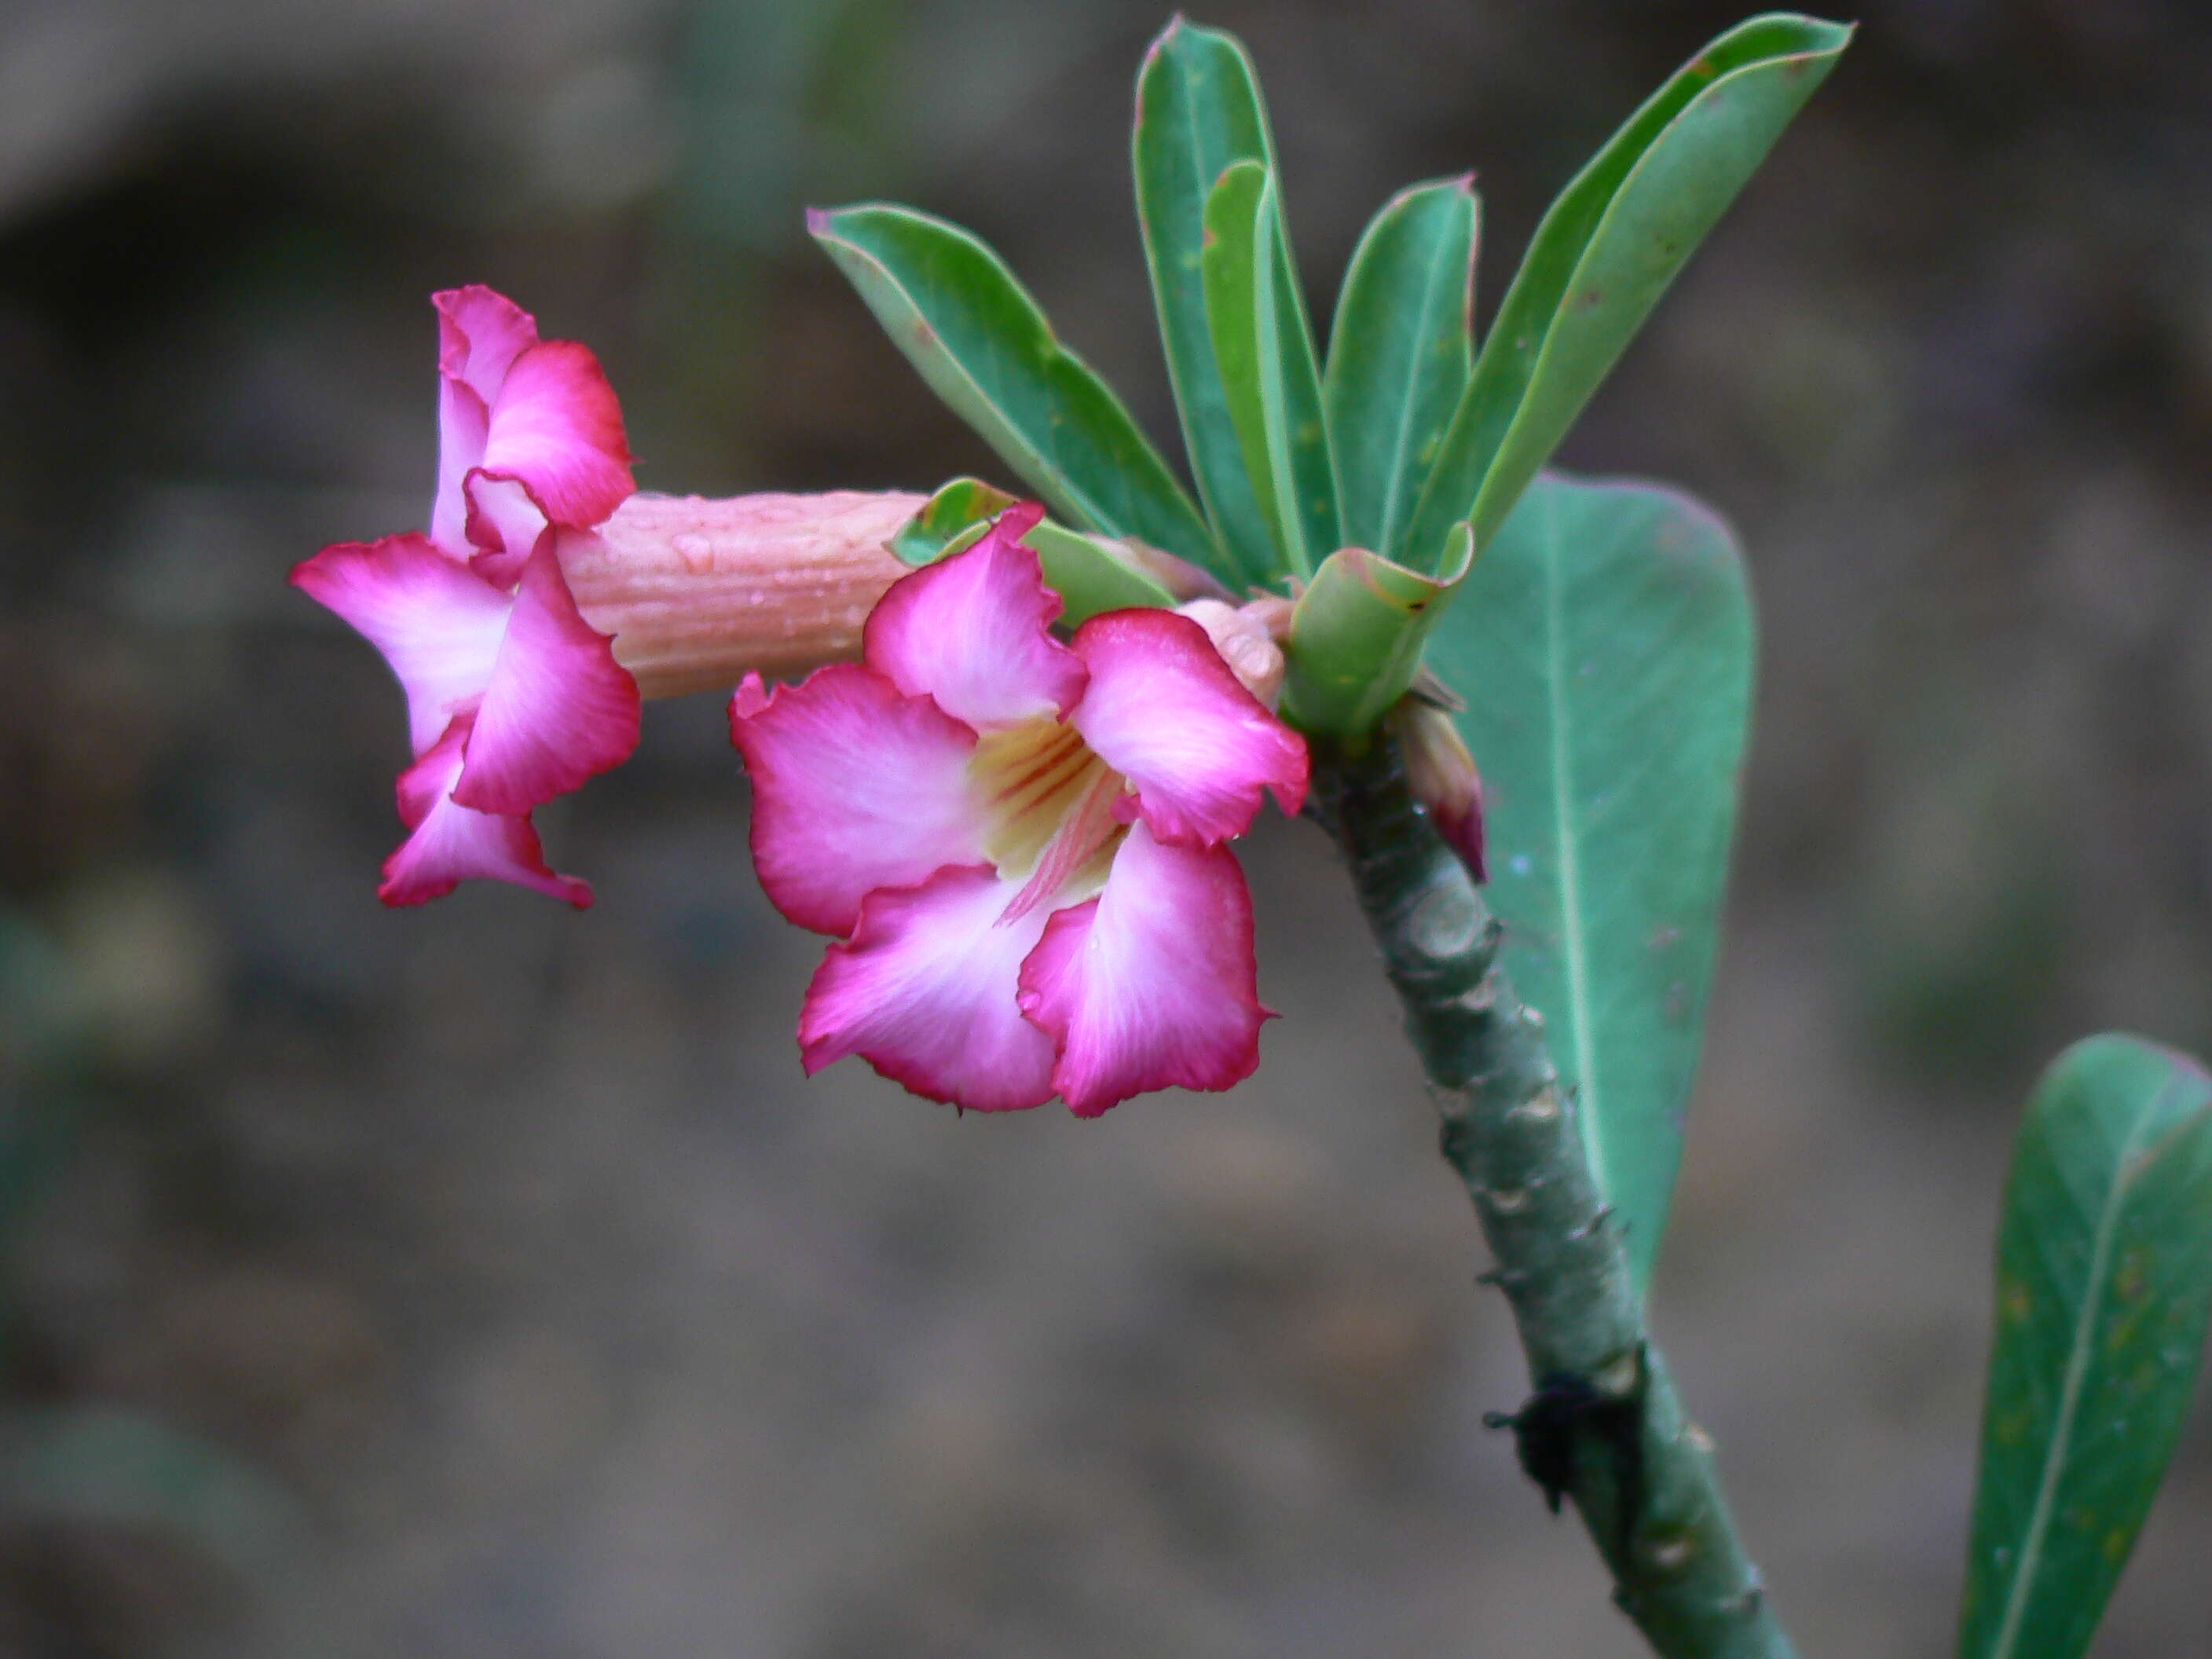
855	786
1151	984
557	708
437	623
1165	711
924	993
451	844
971	631
556	428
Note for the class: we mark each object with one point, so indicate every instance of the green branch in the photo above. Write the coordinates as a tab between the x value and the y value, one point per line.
1606	1426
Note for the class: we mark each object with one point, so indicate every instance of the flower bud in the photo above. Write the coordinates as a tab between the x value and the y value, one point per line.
1248	638
1441	774
698	592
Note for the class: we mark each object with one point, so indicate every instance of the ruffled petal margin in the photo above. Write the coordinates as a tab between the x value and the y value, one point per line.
480	334
855	786
1163	710
436	622
450	844
972	632
1151	984
556	427
924	993
501	526
557	708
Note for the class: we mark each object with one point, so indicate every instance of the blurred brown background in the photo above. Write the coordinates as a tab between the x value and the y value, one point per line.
485	1280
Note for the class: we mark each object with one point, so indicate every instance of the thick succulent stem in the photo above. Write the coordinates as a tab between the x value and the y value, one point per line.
1605	1426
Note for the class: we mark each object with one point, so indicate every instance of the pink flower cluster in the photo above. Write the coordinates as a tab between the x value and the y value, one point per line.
512	697
1020	844
1018	838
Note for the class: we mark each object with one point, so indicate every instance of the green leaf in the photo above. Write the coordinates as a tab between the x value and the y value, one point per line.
1198	111
979	339
1265	356
1603	644
1604	253
1356	636
1399	353
951	519
1091	573
2103	1289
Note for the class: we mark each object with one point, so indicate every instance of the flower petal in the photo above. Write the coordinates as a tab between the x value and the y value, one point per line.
855	786
971	631
1165	711
500	527
1152	983
924	993
437	623
480	334
463	420
451	844
557	708
556	428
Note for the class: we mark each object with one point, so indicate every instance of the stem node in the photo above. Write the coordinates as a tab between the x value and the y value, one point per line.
1605	1426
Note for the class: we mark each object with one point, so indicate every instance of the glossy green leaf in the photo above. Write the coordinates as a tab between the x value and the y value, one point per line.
2103	1289
1399	354
1198	111
1264	353
979	339
1603	255
1356	636
1090	573
1603	645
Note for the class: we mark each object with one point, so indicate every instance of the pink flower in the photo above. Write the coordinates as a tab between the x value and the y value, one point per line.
1020	844
513	698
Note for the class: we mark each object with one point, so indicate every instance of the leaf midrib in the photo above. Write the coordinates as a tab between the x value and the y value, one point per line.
1575	952
2078	1361
1395	490
1274	395
1088	506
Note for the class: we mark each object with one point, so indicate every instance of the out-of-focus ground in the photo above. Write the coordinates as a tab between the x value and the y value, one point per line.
514	1294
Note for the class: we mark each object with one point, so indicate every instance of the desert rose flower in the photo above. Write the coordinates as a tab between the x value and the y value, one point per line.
512	697
547	597
1020	844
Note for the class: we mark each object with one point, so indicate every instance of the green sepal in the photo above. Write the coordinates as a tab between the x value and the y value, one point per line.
2103	1286
1091	573
1603	648
1198	111
954	515
1356	636
1399	356
1264	351
1605	252
980	340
